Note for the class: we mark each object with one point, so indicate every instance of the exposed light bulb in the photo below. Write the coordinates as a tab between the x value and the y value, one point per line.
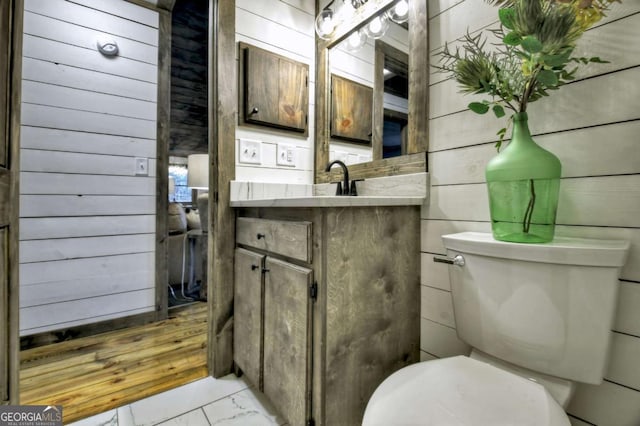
400	12
377	27
325	24
355	41
402	8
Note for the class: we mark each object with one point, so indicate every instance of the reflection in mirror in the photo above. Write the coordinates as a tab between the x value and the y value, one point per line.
394	91
331	58
382	65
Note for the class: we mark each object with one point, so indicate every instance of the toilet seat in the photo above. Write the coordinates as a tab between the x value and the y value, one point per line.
461	391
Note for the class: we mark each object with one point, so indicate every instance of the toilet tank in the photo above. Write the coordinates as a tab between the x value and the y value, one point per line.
546	307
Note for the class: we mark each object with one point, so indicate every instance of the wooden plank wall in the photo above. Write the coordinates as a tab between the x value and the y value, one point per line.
592	125
87	222
285	27
189	75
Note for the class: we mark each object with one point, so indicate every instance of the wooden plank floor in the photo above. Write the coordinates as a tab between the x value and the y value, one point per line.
90	375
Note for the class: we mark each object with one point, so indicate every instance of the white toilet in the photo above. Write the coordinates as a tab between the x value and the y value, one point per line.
538	317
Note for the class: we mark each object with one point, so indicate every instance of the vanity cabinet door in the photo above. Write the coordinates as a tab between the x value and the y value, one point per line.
248	314
287	333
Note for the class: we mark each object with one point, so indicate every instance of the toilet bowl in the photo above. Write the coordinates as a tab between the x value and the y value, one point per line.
461	391
529	313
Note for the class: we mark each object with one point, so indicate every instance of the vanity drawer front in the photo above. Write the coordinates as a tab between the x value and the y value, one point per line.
287	238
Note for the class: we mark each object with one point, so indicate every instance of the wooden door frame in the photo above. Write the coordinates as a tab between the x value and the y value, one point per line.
163	129
223	116
11	69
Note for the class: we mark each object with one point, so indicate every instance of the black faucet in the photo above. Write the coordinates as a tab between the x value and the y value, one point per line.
344	188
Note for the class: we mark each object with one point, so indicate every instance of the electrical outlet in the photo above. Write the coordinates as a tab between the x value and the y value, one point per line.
142	166
250	151
286	155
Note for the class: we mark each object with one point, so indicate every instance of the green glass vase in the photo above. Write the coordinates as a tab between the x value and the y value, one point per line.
523	182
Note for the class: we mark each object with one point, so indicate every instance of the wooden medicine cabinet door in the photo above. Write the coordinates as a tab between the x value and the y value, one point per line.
351	110
274	90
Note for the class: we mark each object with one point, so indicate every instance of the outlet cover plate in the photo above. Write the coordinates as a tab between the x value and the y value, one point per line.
250	151
286	155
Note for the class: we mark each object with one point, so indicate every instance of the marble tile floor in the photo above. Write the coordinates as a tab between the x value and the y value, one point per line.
228	401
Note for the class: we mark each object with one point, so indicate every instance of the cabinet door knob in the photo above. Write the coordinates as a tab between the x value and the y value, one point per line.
265	270
254	110
254	267
259	236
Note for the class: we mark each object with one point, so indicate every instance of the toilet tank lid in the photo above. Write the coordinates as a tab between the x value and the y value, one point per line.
562	250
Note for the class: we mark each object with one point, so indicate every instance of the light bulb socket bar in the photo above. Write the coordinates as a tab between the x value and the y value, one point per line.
357	3
327	21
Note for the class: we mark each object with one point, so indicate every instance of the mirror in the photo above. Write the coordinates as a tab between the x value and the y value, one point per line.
364	74
412	134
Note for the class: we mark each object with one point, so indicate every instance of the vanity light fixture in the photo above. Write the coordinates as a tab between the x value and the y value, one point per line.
326	22
400	12
377	27
355	41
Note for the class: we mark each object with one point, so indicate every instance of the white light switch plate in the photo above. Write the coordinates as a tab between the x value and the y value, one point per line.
250	151
142	166
286	155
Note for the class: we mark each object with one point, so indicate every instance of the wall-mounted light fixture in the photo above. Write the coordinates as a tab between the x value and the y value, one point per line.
357	3
356	40
107	46
377	27
326	22
400	12
329	19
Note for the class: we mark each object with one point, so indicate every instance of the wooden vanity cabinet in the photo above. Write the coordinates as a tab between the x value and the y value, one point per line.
273	301
335	315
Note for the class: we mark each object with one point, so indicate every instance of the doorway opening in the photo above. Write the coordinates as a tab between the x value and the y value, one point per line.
91	206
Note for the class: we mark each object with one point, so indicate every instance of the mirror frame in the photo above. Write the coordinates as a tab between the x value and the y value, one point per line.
415	159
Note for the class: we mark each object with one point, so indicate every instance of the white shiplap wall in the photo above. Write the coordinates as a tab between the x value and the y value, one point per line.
285	27
592	125
87	222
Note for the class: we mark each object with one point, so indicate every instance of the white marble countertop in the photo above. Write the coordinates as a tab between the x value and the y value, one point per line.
331	201
407	190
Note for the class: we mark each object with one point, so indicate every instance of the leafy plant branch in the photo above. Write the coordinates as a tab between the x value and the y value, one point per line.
535	43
